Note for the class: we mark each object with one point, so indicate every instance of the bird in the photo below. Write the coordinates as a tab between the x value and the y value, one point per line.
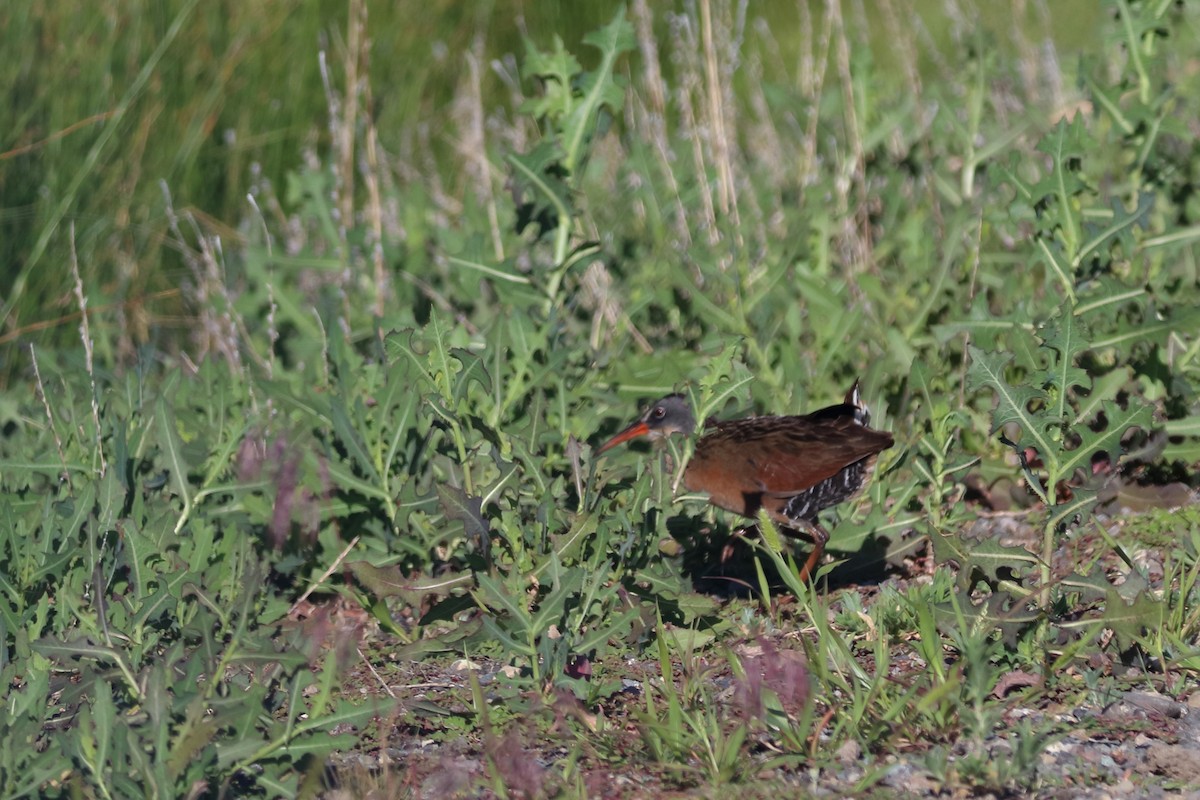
792	467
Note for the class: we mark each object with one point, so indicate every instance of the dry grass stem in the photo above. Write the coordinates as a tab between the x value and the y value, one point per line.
85	334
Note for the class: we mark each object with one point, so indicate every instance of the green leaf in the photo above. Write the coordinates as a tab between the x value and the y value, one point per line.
458	506
1132	623
1091	586
555	69
172	449
1119	228
693	606
598	87
1118	421
103	721
549	201
497	596
552	608
1105	296
687	640
987	556
350	439
987	330
1105	387
1059	263
987	370
567	545
1186	426
507	639
1150	329
345	712
615	627
998	611
1067	336
1066	145
1063	515
393	582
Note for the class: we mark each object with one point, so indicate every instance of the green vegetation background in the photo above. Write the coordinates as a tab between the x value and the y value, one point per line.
306	299
106	103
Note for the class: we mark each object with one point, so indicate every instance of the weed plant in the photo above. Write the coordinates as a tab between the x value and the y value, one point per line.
374	423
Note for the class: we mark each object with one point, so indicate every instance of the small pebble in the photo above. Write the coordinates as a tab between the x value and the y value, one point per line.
849	753
1155	703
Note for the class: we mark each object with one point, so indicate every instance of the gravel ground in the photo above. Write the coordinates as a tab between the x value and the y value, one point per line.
1140	744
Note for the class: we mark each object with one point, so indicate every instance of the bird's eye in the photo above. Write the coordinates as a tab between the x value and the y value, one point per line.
659	412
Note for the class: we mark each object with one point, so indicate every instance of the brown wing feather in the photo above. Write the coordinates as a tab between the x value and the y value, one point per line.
779	456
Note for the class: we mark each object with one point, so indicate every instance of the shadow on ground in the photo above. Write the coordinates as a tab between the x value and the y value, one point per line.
720	561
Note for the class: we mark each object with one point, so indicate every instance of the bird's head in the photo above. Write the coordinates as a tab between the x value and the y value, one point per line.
667	416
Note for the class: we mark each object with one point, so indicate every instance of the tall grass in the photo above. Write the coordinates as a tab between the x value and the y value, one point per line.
234	97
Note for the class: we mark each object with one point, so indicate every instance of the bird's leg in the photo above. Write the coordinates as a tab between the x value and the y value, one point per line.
820	537
728	550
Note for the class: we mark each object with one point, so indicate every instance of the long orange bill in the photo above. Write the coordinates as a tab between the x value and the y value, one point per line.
635	430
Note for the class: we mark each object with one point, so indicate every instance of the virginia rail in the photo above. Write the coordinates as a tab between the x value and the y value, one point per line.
792	467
